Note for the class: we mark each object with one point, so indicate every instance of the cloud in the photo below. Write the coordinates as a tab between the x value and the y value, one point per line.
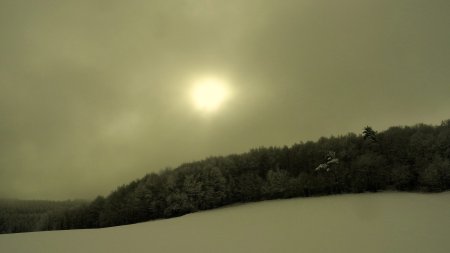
94	94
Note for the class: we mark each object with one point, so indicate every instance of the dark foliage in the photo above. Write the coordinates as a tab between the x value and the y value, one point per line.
32	215
401	158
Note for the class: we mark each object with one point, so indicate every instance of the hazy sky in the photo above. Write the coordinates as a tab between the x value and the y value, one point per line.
94	94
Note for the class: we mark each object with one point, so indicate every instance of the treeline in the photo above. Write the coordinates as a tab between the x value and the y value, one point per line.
30	215
413	158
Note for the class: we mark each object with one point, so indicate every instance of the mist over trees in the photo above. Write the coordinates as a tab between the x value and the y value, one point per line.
415	158
32	215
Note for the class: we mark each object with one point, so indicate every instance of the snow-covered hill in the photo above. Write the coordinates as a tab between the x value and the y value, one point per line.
382	222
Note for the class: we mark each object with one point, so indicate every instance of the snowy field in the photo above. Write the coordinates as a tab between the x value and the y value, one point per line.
382	222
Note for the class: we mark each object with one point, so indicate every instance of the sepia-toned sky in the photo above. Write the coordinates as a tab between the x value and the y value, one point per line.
94	94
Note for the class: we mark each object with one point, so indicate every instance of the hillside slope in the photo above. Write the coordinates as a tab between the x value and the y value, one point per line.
381	222
410	158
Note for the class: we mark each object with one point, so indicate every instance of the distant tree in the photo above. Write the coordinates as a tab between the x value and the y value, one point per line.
330	162
403	178
304	180
177	204
192	186
394	145
277	183
248	187
213	187
443	140
93	211
153	191
421	147
369	172
436	177
369	134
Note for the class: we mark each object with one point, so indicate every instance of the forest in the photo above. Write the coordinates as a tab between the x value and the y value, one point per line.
28	215
402	158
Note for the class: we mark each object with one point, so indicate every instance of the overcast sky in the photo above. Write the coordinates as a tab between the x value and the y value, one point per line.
94	94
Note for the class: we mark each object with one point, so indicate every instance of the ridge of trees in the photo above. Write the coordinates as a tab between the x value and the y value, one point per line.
415	158
29	215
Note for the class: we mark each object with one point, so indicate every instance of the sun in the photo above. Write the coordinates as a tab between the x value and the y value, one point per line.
208	94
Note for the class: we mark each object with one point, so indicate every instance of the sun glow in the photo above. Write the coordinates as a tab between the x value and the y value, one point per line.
208	94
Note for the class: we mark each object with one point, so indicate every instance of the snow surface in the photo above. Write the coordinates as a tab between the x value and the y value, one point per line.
381	222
